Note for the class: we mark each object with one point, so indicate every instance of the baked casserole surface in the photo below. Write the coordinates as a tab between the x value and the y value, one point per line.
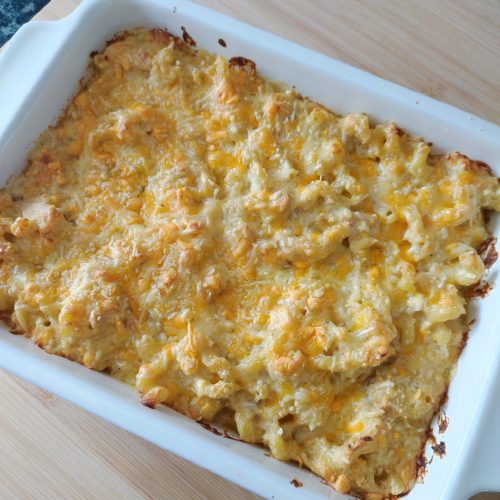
247	257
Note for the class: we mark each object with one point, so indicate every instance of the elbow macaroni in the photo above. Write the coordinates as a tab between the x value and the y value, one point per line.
244	255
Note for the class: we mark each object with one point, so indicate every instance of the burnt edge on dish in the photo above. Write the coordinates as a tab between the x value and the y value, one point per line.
296	483
442	421
188	39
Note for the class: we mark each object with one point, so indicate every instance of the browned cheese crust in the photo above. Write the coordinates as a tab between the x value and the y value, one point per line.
247	257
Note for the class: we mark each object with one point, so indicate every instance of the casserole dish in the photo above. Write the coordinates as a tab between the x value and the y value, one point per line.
335	80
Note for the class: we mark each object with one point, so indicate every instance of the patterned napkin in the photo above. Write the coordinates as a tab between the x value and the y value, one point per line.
14	13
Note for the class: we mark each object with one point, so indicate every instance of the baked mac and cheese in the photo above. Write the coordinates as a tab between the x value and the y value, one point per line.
246	256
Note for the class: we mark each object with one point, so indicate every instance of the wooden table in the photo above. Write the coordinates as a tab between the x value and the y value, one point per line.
449	50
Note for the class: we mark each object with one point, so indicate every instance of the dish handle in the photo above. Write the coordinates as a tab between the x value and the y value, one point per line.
26	54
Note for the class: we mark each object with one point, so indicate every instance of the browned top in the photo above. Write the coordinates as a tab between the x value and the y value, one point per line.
129	466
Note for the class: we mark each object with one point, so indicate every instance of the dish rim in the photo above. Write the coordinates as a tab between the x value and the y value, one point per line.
483	131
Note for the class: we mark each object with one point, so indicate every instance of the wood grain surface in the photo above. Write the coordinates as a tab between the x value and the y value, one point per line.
450	50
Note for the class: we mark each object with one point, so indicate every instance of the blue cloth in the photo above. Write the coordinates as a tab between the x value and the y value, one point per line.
13	13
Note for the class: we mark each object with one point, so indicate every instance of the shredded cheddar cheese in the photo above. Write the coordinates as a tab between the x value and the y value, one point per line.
246	256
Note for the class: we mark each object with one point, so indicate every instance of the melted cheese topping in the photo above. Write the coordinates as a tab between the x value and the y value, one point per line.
246	256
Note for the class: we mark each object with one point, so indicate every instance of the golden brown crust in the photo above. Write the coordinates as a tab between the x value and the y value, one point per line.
245	256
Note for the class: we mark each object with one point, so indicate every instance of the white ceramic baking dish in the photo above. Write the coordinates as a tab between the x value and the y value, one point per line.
40	69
